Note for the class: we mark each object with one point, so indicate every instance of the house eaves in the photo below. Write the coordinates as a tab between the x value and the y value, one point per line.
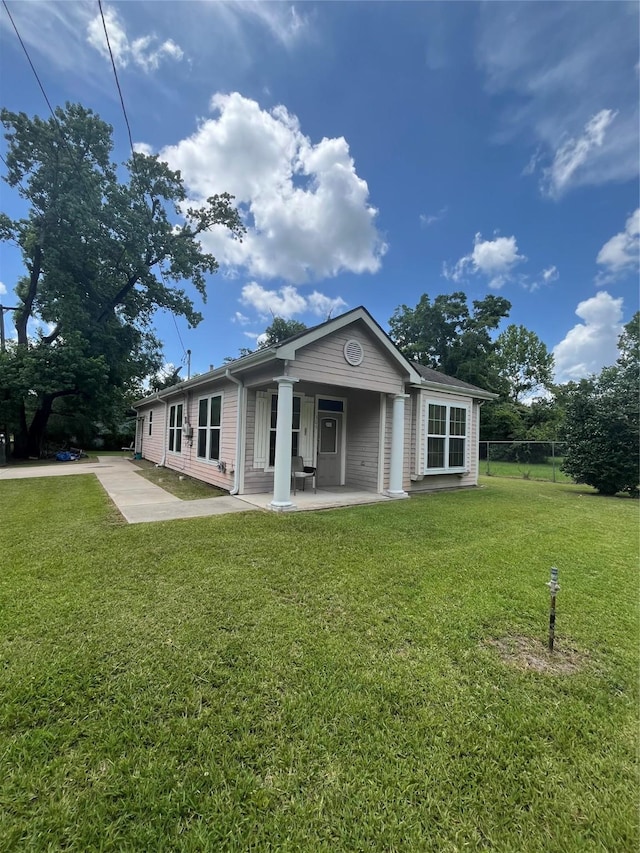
476	393
236	366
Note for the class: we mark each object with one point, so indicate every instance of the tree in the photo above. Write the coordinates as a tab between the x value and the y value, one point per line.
166	377
101	256
522	362
446	335
279	330
602	423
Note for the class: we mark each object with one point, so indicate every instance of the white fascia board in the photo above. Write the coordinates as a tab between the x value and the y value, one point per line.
288	351
480	394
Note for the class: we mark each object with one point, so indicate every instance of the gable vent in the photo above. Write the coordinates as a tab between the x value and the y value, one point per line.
353	352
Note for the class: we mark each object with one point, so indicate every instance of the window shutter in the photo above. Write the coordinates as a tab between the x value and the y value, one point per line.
306	429
261	430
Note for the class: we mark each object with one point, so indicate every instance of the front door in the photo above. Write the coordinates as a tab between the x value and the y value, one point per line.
329	449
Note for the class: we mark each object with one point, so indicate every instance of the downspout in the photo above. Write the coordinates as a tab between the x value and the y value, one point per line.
480	404
164	435
239	425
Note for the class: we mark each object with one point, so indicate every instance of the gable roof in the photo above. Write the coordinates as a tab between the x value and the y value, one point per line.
434	377
417	374
287	349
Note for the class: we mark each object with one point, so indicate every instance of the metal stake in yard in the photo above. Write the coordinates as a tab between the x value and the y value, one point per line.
554	586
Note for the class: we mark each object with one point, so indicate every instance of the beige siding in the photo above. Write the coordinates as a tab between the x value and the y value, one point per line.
187	460
363	427
323	361
432	482
153	445
256	480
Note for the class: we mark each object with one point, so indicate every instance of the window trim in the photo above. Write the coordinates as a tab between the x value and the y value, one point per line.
208	429
151	422
448	405
175	432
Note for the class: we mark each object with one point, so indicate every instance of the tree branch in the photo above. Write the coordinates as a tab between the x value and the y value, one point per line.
49	339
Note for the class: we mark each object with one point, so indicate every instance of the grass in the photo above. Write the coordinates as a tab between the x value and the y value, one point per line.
180	485
318	681
525	470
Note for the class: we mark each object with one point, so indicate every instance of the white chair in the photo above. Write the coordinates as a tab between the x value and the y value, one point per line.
301	473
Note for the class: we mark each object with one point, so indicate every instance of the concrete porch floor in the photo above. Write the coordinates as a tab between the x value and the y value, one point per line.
336	496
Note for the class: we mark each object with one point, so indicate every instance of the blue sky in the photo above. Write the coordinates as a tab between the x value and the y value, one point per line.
378	151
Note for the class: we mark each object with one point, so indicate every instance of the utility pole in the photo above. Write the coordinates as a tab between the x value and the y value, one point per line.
188	364
4	436
4	308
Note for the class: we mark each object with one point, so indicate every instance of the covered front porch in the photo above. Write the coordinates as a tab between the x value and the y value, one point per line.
353	437
327	498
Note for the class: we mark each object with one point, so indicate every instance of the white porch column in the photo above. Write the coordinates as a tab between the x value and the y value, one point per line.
396	467
282	466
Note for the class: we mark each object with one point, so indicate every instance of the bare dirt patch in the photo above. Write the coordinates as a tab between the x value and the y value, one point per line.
530	653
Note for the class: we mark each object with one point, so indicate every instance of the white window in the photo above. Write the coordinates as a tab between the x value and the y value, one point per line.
446	438
209	427
264	445
175	428
150	422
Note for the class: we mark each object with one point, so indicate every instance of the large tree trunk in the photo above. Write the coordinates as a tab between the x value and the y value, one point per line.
21	437
29	439
38	426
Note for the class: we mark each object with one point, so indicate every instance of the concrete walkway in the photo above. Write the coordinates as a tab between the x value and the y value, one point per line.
137	499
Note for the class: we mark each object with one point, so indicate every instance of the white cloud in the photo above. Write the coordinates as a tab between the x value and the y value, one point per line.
287	301
280	303
3	288
282	20
325	306
242	31
430	219
622	252
593	344
240	318
144	52
574	153
307	210
494	259
143	148
547	276
563	70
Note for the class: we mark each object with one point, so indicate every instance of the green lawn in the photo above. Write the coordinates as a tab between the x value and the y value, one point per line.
319	681
525	470
183	487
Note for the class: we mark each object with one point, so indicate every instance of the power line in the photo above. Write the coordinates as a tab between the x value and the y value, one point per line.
26	53
133	158
177	329
59	127
45	96
115	74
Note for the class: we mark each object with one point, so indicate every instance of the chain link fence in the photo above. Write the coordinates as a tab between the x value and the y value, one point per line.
527	460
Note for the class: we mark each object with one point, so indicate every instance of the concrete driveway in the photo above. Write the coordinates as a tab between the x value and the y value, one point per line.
137	499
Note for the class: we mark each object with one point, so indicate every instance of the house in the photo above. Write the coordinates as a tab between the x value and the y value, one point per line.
340	395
